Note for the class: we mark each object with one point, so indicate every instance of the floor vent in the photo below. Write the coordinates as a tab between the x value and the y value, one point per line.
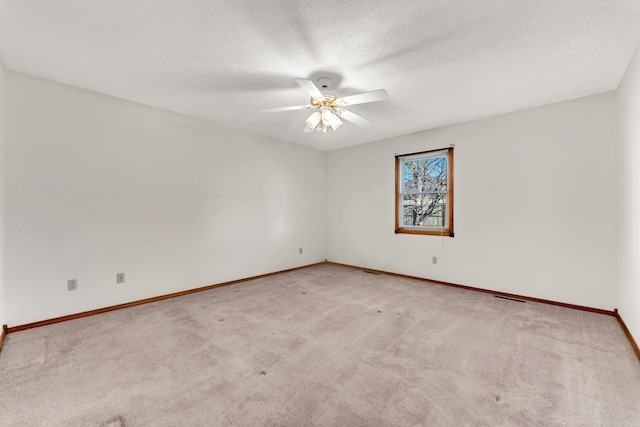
510	299
370	272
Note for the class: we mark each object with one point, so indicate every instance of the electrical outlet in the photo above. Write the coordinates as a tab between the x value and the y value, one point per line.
434	260
120	278
72	284
300	250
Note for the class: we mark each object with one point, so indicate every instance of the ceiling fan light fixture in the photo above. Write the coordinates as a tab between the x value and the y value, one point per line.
314	120
335	122
321	128
327	115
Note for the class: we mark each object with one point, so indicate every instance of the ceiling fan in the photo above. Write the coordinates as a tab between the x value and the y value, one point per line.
330	108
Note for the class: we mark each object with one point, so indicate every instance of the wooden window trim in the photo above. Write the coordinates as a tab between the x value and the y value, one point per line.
432	232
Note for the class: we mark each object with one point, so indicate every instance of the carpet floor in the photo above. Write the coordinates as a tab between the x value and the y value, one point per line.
326	346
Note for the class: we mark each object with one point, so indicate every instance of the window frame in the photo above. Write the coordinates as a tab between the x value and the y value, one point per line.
444	231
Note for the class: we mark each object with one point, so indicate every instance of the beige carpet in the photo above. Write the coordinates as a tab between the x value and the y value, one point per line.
327	346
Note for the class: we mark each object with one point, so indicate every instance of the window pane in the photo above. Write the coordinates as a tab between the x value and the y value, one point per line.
424	210
424	175
424	193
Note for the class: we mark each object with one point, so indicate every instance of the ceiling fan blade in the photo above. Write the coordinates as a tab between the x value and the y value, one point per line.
355	118
310	88
361	98
278	109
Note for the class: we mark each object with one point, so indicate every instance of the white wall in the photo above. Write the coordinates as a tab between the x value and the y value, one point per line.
535	205
2	131
629	197
96	185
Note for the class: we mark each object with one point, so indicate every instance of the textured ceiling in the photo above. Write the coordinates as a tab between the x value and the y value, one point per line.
442	62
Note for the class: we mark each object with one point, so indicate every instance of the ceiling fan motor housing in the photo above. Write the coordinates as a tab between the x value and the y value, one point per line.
324	82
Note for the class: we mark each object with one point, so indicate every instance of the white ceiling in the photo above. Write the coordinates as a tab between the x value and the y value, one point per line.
442	61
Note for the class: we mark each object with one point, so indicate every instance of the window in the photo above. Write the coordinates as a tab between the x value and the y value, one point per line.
424	193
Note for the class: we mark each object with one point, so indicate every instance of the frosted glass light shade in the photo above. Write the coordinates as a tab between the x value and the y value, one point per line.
335	122
314	120
321	120
327	115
